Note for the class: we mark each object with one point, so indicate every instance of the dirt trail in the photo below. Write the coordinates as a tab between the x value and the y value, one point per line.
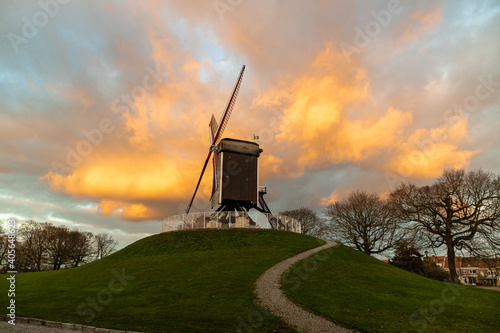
271	297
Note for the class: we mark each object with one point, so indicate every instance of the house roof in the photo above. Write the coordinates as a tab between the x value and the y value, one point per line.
466	262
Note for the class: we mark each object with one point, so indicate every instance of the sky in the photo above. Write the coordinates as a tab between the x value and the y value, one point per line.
105	105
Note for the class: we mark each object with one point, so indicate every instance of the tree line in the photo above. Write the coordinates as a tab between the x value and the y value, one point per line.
43	246
459	211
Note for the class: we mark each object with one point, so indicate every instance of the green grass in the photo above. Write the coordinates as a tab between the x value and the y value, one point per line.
361	292
185	281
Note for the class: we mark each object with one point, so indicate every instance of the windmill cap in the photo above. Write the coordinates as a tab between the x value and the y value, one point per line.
239	146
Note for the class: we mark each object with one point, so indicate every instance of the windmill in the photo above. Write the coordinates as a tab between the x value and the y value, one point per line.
235	185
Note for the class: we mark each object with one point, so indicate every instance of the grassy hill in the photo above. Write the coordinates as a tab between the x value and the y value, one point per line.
366	294
186	281
203	280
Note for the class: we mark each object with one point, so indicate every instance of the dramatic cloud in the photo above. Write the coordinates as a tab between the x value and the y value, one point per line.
318	129
428	152
105	106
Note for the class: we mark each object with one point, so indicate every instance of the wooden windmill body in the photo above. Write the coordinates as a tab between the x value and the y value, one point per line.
236	175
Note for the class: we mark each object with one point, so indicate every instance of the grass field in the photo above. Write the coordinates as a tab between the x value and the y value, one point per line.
186	281
366	294
203	280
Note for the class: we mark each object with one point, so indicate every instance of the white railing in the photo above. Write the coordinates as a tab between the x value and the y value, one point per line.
227	220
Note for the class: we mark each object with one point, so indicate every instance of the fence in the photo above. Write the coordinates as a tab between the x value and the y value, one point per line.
227	220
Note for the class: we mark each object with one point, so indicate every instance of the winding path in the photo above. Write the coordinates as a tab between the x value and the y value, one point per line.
271	297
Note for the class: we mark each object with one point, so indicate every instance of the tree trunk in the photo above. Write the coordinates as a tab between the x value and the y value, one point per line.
451	262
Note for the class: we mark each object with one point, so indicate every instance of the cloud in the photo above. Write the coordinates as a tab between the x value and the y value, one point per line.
327	115
427	153
421	22
325	125
149	163
320	125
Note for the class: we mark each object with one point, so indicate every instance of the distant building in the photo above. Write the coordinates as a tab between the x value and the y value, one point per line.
472	270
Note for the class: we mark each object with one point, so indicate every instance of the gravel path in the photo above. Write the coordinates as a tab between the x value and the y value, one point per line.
270	296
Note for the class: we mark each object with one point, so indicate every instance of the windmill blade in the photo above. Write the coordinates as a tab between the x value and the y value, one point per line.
229	108
199	181
215	138
213	128
215	182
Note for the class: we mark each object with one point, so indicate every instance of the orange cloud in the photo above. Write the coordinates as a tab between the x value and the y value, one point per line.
136	177
342	193
270	164
154	155
127	185
156	152
128	211
327	116
330	200
318	119
421	22
427	152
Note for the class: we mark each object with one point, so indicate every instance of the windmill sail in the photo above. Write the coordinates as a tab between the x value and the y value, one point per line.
216	136
229	109
213	128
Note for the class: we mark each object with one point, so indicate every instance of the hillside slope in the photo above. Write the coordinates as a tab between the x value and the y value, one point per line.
185	281
361	292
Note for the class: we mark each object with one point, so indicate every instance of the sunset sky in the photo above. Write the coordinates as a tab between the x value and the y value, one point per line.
105	105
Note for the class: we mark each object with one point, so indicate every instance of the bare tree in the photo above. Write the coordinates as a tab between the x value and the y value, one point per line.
82	247
59	245
104	245
3	240
34	238
40	244
365	222
459	210
4	246
310	223
23	263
